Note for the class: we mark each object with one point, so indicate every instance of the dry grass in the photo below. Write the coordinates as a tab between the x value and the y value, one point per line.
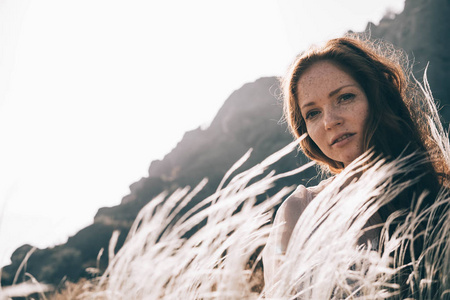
222	259
324	260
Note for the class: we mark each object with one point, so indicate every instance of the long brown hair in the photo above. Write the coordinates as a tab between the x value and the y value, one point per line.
396	120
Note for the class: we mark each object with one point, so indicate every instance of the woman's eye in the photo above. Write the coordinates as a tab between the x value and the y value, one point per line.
311	114
345	97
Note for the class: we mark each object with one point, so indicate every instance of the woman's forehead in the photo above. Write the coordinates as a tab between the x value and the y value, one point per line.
321	79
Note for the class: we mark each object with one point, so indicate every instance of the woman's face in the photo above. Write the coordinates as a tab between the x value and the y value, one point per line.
335	109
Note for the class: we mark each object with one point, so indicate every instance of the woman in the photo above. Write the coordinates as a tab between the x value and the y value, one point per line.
348	98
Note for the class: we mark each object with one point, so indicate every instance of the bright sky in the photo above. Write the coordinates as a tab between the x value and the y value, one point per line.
91	91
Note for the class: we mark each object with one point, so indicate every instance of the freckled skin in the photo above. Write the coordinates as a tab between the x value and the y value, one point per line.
328	117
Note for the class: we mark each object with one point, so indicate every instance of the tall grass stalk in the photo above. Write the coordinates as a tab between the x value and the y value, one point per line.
28	287
325	258
216	261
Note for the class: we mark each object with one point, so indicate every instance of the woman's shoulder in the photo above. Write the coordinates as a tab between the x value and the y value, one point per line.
314	190
304	195
297	202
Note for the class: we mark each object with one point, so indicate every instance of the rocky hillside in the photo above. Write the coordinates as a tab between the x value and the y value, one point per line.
249	118
423	30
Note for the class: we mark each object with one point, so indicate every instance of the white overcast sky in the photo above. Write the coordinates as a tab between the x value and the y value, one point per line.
91	91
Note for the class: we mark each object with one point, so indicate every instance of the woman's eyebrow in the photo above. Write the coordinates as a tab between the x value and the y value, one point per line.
334	92
331	94
308	104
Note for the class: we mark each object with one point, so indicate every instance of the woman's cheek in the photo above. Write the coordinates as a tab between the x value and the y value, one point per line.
312	131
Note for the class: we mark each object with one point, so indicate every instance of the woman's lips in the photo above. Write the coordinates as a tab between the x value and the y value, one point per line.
341	140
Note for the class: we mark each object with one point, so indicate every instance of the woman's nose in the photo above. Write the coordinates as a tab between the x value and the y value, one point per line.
331	119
